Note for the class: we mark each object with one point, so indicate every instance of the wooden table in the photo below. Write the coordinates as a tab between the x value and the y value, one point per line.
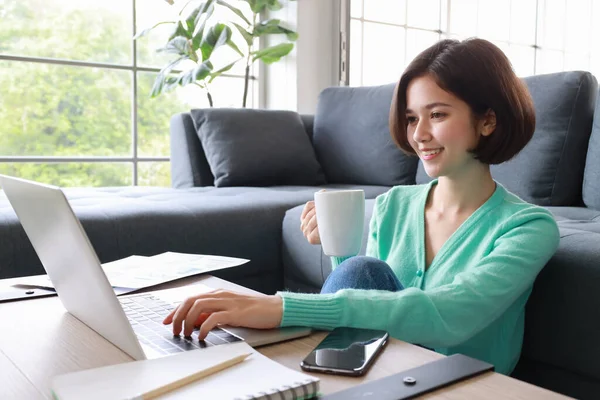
39	339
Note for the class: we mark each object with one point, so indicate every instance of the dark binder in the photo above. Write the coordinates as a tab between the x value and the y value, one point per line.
417	381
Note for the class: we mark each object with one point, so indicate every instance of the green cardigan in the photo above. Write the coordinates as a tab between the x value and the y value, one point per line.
471	299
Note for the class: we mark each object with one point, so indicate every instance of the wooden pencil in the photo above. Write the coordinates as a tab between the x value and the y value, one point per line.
151	394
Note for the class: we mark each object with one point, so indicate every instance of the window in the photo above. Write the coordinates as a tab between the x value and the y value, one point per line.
75	107
538	36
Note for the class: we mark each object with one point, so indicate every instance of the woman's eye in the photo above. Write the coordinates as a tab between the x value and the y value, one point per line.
410	120
437	115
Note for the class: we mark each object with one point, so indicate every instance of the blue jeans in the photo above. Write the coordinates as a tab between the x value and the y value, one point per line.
362	272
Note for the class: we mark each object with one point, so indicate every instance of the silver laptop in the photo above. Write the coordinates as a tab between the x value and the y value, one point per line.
133	323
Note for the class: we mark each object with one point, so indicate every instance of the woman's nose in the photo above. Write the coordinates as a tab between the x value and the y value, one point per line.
421	133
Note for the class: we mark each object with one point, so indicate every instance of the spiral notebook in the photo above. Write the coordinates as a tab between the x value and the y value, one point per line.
257	377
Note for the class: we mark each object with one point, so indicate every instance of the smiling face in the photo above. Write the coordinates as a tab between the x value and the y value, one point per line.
441	128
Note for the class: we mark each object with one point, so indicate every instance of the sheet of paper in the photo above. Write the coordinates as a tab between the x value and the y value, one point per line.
138	272
148	271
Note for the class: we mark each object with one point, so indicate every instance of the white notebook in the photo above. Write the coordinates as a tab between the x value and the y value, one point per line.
256	377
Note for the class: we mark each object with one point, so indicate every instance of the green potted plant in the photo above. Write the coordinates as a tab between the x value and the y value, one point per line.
197	33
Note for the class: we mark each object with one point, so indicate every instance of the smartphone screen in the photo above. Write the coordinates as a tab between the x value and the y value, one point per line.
346	351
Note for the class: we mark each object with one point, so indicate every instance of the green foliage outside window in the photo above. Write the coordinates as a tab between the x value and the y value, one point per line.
71	111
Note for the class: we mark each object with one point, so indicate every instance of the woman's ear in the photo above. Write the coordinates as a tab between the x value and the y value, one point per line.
487	125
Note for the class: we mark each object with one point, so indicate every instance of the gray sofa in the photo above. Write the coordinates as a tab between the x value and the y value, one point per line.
254	214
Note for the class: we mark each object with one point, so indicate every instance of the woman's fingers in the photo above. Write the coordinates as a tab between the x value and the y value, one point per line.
169	318
308	207
200	306
182	312
216	318
309	221
201	318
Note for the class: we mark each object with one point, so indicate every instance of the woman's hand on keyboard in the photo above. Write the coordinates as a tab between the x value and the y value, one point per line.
222	307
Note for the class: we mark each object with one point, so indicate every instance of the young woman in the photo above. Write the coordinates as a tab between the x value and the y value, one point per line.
450	264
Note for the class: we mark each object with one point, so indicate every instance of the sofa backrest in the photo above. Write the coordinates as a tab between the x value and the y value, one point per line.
549	170
352	138
591	177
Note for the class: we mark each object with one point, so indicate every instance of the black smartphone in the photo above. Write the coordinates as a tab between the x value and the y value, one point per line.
346	351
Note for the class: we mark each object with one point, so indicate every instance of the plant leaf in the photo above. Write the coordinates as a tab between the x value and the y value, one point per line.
167	69
274	5
247	35
182	8
234	47
235	10
200	23
218	35
158	85
273	53
179	45
190	21
207	9
179	31
226	68
272	26
198	73
257	6
170	83
147	30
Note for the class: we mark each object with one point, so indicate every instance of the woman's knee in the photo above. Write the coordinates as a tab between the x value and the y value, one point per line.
363	265
362	272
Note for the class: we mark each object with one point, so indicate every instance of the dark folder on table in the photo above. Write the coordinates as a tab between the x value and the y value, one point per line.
417	381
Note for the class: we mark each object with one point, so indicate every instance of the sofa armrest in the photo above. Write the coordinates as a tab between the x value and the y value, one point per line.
189	166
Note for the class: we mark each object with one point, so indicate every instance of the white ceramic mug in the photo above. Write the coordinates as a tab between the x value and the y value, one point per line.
341	219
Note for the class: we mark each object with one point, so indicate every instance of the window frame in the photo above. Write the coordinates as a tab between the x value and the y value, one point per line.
444	32
134	68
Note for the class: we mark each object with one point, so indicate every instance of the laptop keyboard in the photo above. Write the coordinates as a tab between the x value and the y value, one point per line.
146	313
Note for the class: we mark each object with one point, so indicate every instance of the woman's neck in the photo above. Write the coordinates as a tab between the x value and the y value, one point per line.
464	193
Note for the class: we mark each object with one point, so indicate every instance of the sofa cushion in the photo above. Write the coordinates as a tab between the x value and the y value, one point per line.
352	138
247	147
561	327
578	218
591	177
549	170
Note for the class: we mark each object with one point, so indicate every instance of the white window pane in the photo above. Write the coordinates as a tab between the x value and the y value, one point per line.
494	20
463	17
453	36
60	110
424	14
549	61
595	48
502	46
596	26
522	21
595	64
380	64
553	21
578	29
417	41
355	53
154	113
522	58
147	15
97	31
154	174
577	62
392	11
356	8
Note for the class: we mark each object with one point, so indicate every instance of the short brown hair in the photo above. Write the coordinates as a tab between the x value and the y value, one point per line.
477	72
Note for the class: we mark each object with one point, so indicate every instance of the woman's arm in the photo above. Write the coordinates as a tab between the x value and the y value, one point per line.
449	314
